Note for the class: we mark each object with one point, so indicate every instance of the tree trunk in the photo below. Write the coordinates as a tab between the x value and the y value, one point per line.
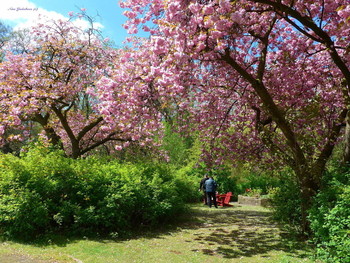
76	151
309	184
346	152
53	137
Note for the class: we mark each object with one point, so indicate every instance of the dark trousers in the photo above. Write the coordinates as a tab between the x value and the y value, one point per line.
205	197
211	197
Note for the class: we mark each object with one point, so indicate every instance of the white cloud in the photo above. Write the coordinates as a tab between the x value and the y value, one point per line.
24	14
17	10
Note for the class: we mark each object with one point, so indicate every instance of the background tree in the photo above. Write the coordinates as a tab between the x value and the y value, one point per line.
52	84
5	32
20	41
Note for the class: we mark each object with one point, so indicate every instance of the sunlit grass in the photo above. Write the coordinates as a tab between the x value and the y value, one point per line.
235	234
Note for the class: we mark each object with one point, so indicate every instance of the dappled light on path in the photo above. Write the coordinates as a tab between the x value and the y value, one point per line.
240	232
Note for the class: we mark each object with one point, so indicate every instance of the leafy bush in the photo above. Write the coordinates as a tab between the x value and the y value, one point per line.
330	218
261	181
255	192
226	182
247	180
42	191
180	149
188	178
285	200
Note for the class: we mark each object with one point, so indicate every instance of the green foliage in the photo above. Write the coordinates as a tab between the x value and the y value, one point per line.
330	217
226	181
261	181
280	187
42	191
245	177
187	179
285	200
181	150
175	146
256	192
237	180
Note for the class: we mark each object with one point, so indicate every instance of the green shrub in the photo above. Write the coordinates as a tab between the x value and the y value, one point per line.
285	201
242	179
187	179
261	181
226	182
42	191
330	218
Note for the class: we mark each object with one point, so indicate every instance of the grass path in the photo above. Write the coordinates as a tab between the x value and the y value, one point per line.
243	234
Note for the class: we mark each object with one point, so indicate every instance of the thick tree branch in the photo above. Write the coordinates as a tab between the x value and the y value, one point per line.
103	141
266	138
329	146
68	130
88	128
276	114
306	21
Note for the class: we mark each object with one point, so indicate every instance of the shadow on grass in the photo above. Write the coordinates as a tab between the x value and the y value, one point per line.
236	233
232	232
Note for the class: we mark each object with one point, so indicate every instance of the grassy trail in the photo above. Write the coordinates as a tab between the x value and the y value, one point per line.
237	234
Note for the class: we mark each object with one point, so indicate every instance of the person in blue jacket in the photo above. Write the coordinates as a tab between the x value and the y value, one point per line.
202	188
210	188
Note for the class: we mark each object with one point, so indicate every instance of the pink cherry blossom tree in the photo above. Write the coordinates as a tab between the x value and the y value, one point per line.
262	79
52	85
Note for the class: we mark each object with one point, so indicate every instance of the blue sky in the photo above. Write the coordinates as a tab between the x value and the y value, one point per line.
23	13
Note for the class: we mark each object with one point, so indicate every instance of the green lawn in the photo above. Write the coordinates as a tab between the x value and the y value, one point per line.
235	234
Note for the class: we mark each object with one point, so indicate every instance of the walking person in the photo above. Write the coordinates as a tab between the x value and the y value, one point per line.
202	188
210	188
